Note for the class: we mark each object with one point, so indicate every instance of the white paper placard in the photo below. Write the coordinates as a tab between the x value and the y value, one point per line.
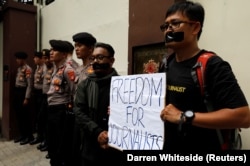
136	102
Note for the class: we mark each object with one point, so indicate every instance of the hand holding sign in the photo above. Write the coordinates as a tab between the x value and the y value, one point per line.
103	139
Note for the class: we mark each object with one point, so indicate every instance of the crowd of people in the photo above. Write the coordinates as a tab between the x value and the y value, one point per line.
72	100
52	87
55	87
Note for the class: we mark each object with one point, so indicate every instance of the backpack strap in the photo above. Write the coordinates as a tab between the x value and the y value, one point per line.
198	75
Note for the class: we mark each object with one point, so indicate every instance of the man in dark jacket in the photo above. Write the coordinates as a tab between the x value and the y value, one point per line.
91	109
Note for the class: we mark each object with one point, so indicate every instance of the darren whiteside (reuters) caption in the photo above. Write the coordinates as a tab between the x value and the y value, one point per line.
158	158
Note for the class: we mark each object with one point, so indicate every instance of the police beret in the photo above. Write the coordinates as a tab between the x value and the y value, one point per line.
46	52
21	55
59	45
84	38
38	54
70	46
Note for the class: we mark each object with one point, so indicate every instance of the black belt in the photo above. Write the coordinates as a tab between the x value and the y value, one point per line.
58	107
20	89
37	90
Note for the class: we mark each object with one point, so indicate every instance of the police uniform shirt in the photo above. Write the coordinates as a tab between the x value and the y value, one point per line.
72	62
38	77
47	78
24	79
82	73
62	86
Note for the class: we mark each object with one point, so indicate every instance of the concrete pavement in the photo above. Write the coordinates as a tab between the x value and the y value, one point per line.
14	154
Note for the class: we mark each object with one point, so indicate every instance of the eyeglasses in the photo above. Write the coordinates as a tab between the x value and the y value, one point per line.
174	24
98	57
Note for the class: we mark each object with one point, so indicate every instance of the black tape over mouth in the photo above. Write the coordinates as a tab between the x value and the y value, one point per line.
174	36
100	66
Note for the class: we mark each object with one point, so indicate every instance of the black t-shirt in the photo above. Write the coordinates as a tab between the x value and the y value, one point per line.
183	93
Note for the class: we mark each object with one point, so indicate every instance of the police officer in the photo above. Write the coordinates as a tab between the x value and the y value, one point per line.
47	70
60	98
84	46
37	94
23	88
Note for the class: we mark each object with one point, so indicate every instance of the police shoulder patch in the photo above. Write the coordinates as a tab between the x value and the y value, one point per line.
71	74
28	73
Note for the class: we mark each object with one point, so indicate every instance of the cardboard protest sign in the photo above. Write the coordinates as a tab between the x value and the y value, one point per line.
136	102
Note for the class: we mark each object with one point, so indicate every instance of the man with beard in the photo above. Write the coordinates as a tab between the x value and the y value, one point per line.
91	109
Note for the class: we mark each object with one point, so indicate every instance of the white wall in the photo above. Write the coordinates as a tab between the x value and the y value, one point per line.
106	20
226	31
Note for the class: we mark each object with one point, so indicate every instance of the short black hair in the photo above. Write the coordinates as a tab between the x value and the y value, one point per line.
194	11
108	47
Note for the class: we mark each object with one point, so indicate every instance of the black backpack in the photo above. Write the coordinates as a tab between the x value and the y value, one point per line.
230	139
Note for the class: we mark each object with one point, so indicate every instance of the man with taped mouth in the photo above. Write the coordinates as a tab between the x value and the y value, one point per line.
91	109
190	123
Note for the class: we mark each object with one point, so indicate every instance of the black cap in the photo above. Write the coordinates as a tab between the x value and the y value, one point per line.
84	38
21	55
59	45
46	52
38	54
70	46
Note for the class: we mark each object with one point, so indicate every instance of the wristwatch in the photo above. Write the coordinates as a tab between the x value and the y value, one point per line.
189	116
